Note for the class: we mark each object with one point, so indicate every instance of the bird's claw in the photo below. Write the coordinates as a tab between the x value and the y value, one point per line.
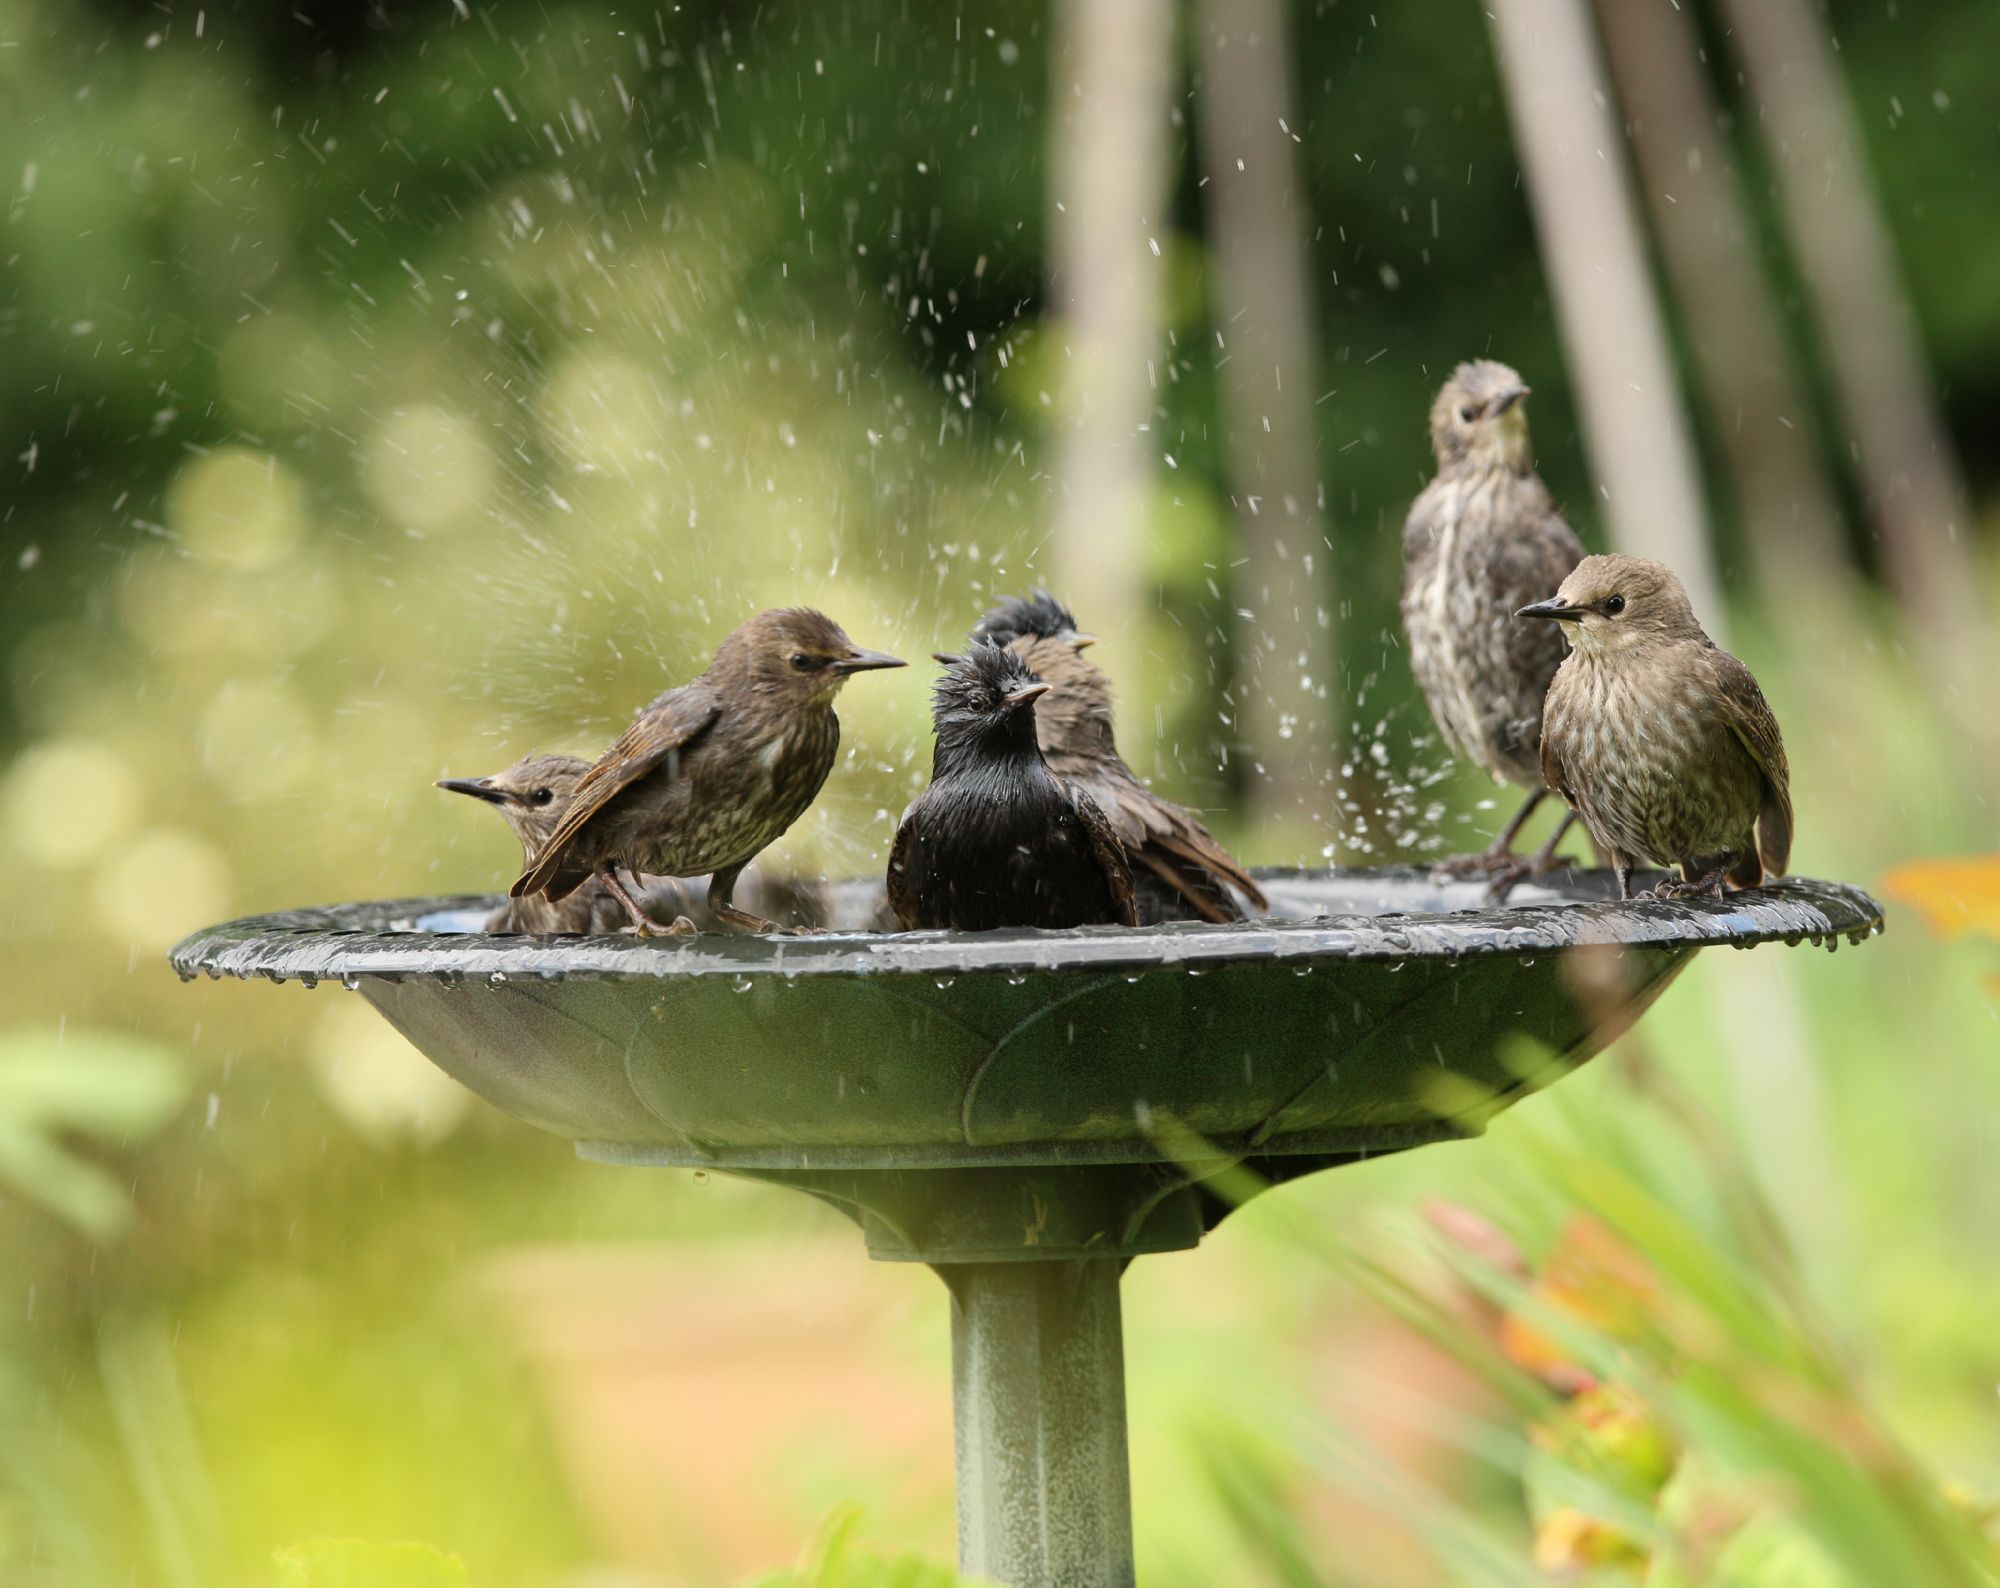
1708	887
682	927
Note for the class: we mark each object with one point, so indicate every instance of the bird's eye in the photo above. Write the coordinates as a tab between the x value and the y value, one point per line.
542	796
1614	606
801	663
1468	413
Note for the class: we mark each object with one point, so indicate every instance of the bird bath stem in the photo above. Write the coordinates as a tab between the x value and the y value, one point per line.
1026	1112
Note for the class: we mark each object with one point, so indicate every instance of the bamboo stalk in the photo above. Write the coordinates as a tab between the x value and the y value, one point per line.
1262	307
1915	493
1701	217
1634	425
1113	65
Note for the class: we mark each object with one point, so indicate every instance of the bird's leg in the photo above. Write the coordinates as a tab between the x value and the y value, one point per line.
1623	867
720	887
1498	857
1696	881
1519	868
643	925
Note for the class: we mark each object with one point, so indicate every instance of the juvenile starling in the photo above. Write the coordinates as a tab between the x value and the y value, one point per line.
998	839
1482	540
1661	741
1179	871
532	795
710	772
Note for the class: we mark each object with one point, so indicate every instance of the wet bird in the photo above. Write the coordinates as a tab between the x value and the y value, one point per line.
1658	738
532	796
1179	871
1482	540
711	772
998	839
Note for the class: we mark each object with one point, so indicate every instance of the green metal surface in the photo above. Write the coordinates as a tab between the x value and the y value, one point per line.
1027	1111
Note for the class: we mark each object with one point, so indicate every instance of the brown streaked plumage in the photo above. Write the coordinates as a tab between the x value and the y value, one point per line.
532	795
710	772
1482	540
1659	739
998	839
1179	871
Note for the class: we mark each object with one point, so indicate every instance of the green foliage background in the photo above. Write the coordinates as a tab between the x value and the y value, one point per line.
390	389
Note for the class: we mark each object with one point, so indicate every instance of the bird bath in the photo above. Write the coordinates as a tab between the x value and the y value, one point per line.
1028	1111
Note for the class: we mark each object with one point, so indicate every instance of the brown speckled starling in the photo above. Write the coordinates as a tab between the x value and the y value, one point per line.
1179	871
998	839
711	772
1661	741
1483	540
532	795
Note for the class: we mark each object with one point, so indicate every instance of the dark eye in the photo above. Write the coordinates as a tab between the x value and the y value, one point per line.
801	663
1614	606
1468	414
542	796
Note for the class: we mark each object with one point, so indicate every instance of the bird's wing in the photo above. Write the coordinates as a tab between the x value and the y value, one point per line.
1168	840
902	885
669	725
1751	719
1552	768
1106	850
1534	559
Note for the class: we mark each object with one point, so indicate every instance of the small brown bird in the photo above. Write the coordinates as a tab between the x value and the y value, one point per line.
998	839
532	795
1660	740
1179	871
711	772
1482	540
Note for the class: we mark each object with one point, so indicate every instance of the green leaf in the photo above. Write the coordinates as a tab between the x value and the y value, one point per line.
102	1087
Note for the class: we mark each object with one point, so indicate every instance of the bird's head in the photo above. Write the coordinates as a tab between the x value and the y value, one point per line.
795	656
986	699
1044	633
1040	616
532	793
1479	418
1610	604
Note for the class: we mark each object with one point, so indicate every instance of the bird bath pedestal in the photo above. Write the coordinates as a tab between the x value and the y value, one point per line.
1026	1112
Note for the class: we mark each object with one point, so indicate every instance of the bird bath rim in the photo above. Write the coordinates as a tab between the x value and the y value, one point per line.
386	940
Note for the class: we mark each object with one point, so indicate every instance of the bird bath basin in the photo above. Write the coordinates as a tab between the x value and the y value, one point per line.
1028	1111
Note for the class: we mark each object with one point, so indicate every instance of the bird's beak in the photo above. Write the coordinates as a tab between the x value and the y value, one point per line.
1555	607
860	661
1500	404
480	788
1080	641
1027	695
946	659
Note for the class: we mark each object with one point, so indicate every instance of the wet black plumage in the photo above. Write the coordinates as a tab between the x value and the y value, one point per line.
1179	871
999	840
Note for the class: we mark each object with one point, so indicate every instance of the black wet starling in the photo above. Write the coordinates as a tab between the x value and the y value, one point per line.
1661	741
1179	871
710	772
1483	540
998	839
533	794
